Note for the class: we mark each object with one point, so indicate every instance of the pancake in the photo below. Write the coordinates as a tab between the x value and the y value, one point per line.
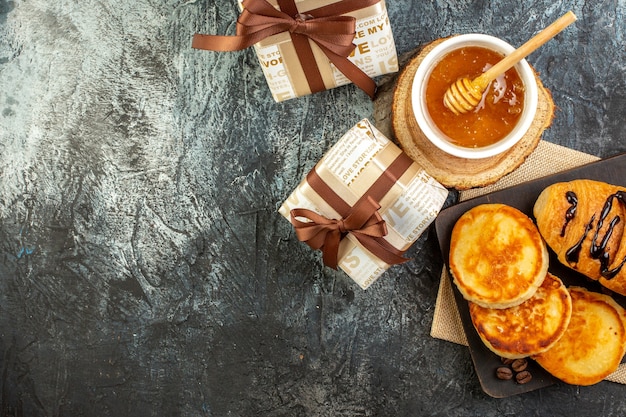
497	256
593	344
528	329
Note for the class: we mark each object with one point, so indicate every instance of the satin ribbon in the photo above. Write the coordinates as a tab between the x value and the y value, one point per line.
362	220
324	26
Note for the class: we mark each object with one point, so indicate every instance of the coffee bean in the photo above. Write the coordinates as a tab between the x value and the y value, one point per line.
519	365
504	372
523	377
506	361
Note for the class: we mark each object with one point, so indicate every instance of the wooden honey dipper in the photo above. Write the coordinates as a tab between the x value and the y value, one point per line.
465	94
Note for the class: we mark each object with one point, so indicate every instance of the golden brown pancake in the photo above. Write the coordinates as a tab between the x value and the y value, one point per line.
497	256
529	328
593	344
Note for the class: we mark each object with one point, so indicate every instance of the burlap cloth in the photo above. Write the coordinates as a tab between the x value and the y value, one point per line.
547	159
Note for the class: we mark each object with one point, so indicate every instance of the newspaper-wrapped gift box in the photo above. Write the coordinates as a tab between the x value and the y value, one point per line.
363	169
296	60
375	53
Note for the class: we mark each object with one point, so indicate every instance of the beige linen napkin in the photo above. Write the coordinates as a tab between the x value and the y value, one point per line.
547	159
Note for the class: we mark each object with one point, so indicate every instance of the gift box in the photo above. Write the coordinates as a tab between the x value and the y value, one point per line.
306	46
363	204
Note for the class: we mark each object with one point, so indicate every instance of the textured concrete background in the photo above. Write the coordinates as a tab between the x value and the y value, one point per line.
144	269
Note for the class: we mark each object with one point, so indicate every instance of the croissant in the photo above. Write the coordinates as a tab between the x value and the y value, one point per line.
583	222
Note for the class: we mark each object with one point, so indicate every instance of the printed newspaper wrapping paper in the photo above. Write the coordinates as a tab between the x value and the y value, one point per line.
364	169
307	46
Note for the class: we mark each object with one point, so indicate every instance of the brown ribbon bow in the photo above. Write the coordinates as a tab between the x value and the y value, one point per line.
331	32
363	222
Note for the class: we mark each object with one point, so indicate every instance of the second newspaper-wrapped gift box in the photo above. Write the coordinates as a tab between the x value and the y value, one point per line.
364	204
307	46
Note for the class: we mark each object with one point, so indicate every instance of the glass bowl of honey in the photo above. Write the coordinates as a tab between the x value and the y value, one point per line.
503	115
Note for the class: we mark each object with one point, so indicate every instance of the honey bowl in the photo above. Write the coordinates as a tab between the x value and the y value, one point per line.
502	118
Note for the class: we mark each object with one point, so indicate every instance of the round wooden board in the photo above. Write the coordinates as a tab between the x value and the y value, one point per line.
450	171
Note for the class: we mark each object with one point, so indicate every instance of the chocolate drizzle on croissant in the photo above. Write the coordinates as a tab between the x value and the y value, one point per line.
572	199
573	253
597	250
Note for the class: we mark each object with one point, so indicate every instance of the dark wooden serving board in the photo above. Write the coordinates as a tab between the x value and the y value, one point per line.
523	196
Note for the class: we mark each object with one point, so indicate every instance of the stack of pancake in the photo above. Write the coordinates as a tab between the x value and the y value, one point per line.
499	263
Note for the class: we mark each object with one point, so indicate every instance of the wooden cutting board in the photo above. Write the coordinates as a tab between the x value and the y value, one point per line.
451	171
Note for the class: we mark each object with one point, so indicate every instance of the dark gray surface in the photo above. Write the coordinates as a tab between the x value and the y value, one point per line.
144	269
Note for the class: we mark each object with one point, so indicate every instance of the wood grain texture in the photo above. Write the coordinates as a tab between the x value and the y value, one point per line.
144	269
